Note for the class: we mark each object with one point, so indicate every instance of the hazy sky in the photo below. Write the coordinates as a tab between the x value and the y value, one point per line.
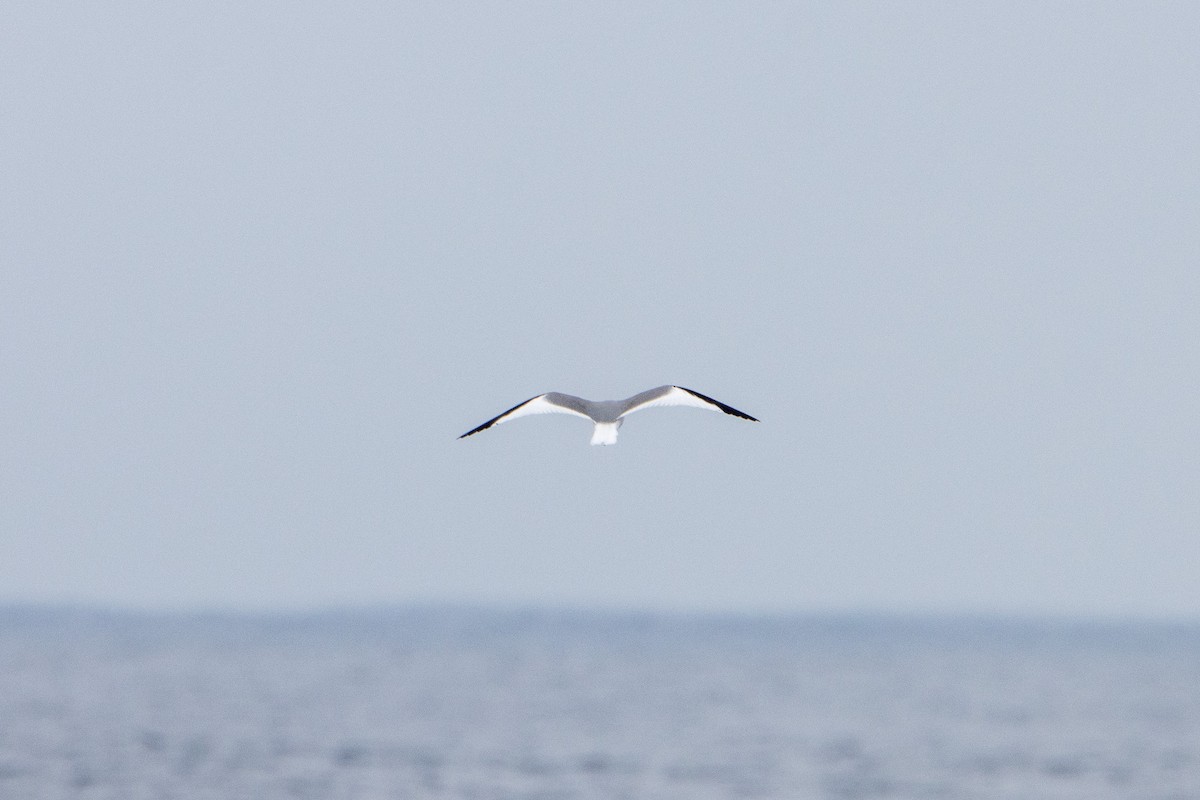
261	263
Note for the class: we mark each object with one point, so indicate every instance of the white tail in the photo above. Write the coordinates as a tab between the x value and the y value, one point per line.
605	432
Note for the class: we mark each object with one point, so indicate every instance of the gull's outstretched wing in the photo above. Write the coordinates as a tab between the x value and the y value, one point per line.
678	396
549	403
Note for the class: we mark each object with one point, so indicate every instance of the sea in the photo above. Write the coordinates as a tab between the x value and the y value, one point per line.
485	704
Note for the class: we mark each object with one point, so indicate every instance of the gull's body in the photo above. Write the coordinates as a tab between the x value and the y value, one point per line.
607	415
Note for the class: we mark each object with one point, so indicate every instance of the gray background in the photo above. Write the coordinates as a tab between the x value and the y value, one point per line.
262	263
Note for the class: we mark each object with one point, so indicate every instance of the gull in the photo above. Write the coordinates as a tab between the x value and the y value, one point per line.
608	414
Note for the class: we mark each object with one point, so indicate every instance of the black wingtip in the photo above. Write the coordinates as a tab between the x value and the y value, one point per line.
497	418
482	427
727	409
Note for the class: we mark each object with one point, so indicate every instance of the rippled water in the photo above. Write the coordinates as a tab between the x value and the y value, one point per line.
463	704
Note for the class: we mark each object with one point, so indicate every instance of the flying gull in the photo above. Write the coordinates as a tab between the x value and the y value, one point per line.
608	414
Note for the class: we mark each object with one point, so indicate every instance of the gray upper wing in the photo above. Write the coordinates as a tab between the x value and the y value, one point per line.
642	399
568	402
549	403
678	396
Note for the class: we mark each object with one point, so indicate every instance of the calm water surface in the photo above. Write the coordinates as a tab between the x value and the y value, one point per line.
490	705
